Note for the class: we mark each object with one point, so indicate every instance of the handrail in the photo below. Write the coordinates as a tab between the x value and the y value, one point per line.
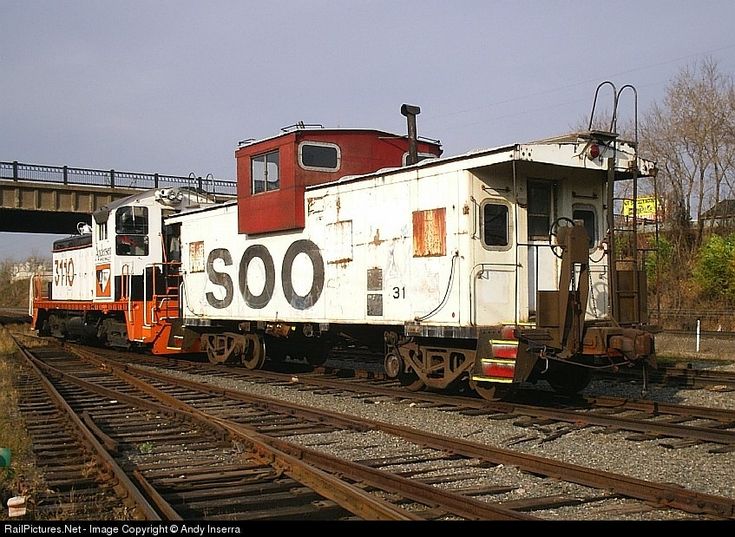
18	171
154	296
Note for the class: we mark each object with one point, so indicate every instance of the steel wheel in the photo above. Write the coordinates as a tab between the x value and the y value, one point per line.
317	354
254	355
393	365
568	379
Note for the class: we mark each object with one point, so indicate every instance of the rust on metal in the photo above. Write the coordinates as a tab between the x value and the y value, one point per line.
430	233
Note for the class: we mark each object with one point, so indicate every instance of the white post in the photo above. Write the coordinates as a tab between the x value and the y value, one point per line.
698	331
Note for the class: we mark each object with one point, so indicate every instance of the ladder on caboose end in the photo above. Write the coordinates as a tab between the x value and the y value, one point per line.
628	289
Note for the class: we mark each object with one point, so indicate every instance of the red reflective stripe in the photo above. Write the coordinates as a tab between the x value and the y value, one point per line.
509	352
492	369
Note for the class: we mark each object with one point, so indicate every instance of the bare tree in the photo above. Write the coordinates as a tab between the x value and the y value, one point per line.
691	136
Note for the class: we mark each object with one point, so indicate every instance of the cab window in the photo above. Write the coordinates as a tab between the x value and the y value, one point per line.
131	230
539	210
264	172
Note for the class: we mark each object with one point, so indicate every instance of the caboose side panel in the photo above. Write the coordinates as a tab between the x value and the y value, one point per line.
406	264
345	266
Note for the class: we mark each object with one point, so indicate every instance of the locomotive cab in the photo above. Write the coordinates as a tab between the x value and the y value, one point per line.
118	281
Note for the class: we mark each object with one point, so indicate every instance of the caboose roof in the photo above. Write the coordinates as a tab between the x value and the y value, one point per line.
305	131
558	150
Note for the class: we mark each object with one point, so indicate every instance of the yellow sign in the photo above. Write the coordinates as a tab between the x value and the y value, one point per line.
646	207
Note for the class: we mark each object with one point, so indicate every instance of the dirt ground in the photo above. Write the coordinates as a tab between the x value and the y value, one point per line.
685	347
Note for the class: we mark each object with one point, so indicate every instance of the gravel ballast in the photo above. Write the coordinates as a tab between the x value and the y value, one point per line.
691	467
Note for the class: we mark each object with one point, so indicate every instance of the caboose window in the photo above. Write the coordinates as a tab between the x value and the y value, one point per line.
539	210
421	156
319	156
587	215
264	172
495	224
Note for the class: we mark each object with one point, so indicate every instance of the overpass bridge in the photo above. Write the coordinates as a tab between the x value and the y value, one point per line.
35	198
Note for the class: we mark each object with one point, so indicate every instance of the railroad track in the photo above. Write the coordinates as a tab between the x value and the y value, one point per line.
76	484
291	422
243	474
683	375
674	426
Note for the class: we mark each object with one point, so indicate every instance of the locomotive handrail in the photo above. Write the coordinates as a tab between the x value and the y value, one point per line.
19	171
155	296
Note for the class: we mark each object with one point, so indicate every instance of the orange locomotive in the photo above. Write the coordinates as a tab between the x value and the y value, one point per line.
117	282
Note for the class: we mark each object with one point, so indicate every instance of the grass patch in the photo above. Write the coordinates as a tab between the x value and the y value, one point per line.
21	478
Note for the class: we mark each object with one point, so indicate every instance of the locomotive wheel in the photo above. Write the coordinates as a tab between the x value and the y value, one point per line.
254	355
568	379
316	357
411	381
490	391
277	350
393	365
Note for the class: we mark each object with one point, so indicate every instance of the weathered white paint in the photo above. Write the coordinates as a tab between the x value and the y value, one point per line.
365	223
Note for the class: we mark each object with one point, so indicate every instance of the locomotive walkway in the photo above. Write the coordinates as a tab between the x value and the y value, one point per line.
36	198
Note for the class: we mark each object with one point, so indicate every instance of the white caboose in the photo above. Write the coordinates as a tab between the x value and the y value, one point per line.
486	266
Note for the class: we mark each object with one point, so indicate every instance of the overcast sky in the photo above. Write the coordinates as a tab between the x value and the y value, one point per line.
172	86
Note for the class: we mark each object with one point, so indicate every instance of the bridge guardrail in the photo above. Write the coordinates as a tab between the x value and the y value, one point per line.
18	171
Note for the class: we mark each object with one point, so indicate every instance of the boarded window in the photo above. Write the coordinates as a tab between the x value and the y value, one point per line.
429	233
196	256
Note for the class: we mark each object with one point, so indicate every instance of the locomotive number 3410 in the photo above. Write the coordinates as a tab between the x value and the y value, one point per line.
64	272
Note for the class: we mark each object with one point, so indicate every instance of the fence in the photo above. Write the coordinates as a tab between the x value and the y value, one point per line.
66	175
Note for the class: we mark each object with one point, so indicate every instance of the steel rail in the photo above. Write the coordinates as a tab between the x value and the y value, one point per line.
133	494
675	430
351	498
460	505
656	407
660	493
677	376
697	377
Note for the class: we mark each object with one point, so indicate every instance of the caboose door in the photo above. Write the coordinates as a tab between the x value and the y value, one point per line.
542	263
494	274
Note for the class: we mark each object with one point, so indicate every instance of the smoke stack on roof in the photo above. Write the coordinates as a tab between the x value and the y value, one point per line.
411	111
